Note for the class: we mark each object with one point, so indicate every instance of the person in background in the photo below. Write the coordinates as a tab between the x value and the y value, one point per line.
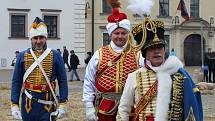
66	57
107	70
59	51
209	57
89	56
33	81
212	59
172	52
74	62
205	68
15	58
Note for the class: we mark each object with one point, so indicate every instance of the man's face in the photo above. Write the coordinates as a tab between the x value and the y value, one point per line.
17	54
155	54
119	37
38	42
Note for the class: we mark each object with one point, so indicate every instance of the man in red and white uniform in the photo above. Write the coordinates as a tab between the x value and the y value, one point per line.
107	70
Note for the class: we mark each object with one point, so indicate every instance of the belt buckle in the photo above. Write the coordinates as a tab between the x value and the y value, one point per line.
34	99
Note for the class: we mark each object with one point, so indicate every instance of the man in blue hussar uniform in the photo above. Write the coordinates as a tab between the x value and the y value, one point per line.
161	90
34	80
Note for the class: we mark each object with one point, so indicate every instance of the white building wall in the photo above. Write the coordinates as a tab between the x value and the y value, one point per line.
72	28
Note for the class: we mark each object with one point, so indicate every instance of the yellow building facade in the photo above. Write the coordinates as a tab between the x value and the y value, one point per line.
189	38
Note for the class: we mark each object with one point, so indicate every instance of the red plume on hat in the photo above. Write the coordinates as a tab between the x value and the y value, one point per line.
116	15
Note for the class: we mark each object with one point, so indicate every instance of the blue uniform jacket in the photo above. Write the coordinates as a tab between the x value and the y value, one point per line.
192	99
58	72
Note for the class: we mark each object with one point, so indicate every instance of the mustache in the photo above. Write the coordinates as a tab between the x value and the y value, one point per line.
42	48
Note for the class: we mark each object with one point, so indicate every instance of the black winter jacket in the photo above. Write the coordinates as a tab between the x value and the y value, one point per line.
74	61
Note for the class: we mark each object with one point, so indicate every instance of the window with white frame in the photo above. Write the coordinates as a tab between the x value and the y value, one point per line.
164	8
106	39
106	8
18	22
51	18
52	25
18	26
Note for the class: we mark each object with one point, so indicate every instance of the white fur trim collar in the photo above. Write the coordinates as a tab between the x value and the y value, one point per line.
164	72
116	48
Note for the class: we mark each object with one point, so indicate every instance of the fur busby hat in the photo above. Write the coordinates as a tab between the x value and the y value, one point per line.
150	31
38	28
117	19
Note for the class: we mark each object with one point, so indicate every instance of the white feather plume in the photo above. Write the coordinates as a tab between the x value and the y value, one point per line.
140	7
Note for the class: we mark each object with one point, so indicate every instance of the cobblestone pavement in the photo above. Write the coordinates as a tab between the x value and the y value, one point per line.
208	102
76	110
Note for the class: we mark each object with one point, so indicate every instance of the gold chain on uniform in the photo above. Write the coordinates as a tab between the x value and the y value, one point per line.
176	106
145	78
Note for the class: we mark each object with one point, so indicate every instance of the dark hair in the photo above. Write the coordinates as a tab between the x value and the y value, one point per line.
17	51
89	53
72	51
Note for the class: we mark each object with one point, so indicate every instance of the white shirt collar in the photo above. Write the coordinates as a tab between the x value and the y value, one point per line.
116	48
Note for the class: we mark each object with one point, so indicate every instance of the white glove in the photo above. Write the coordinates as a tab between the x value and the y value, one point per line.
16	112
60	112
91	112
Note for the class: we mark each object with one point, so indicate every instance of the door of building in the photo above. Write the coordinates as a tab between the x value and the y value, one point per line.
192	50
